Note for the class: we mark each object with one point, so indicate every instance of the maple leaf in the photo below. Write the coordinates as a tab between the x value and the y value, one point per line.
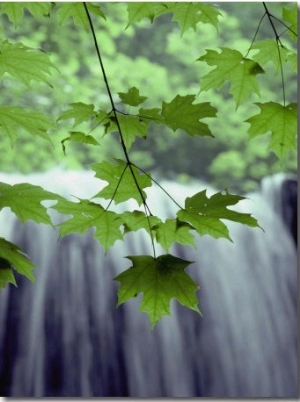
14	118
79	111
132	97
138	11
86	215
290	16
131	127
147	115
182	113
78	136
268	52
12	256
121	184
137	220
205	214
188	15
24	63
171	231
160	279
25	199
15	11
75	11
231	66
281	121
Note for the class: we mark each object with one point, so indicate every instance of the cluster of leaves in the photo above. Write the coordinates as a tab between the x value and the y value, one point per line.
163	277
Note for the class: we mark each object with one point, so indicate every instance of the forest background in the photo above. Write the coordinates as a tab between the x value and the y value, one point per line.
162	62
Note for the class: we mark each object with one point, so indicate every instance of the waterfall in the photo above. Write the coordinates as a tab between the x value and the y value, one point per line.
64	337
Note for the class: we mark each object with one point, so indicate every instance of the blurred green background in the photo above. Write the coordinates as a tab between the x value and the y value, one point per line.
161	63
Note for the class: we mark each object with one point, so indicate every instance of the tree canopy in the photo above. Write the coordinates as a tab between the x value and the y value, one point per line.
154	79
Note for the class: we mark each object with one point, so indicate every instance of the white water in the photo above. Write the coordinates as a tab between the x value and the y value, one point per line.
64	337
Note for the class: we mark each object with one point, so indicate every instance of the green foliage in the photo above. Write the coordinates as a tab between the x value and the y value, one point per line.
205	214
14	118
25	199
11	256
160	279
124	182
231	66
24	63
107	114
182	113
281	121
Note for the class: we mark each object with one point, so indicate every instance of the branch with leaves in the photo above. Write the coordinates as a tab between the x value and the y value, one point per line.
159	278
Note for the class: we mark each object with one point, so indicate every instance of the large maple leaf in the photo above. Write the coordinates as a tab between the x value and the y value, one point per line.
233	67
86	215
281	121
24	63
160	279
205	214
182	113
25	199
121	184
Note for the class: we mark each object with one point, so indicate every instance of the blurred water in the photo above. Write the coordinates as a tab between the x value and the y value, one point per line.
64	336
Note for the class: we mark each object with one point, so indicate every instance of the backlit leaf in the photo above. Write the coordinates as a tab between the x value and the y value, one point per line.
138	11
281	121
188	15
132	97
121	184
24	63
25	199
86	215
182	113
160	279
205	214
75	11
136	220
268	51
14	118
233	67
11	256
290	15
79	111
172	231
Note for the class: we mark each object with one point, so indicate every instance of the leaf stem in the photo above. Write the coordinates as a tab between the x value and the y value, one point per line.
114	110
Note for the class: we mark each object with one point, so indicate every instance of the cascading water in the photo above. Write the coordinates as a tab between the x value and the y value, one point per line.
63	336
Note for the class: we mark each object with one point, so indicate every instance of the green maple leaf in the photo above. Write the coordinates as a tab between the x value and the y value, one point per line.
131	127
78	136
188	15
171	231
233	67
121	184
138	11
15	11
14	118
205	214
268	52
79	111
24	63
11	256
160	279
75	11
86	215
281	121
290	16
132	97
148	115
137	220
181	113
25	199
